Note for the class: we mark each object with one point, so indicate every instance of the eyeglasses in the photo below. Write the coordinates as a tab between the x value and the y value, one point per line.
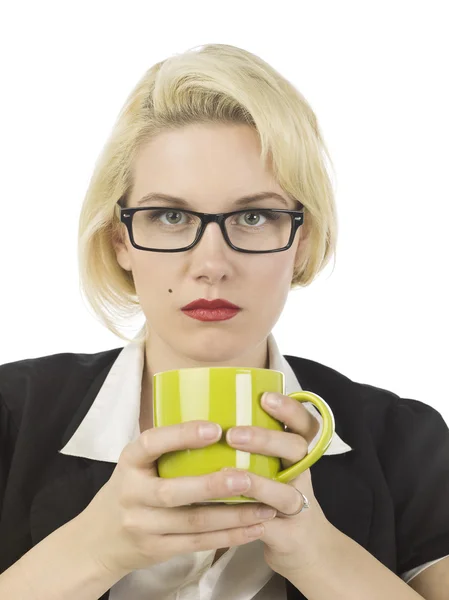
169	229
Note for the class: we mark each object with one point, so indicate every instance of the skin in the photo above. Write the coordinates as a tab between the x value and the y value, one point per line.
210	166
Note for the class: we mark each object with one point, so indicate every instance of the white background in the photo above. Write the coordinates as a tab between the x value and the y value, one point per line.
376	76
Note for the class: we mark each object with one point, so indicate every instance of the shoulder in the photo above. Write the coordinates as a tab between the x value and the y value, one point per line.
356	404
344	390
44	377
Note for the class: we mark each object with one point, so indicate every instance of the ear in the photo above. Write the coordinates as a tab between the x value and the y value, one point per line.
302	242
121	246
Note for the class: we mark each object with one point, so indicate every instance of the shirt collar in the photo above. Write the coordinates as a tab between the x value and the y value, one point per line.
112	420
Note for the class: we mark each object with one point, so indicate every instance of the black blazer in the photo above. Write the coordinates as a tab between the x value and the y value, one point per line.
390	494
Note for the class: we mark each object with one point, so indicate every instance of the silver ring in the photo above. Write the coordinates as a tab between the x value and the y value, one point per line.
305	504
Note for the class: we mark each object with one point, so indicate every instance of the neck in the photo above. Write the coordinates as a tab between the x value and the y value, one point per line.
160	357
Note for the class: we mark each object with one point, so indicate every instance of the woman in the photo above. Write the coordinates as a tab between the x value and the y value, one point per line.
84	514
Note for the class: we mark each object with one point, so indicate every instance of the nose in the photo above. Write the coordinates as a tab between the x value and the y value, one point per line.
209	259
212	238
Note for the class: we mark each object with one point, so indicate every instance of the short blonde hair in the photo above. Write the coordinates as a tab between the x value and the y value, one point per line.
214	83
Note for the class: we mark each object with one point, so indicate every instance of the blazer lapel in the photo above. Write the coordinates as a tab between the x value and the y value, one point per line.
70	482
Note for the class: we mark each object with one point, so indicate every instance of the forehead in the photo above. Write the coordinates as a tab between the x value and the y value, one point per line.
219	159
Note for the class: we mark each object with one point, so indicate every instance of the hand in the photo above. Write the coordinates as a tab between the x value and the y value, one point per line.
138	519
299	541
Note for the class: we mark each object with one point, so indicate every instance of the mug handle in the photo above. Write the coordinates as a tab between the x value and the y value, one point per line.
323	443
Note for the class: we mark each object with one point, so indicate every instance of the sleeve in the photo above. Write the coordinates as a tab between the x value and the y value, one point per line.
415	458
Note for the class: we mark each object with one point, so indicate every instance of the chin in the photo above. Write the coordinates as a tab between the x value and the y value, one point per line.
211	356
215	349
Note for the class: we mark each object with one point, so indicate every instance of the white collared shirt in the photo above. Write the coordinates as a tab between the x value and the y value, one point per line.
112	422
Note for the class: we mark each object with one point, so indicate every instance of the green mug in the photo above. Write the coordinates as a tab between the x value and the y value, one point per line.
229	396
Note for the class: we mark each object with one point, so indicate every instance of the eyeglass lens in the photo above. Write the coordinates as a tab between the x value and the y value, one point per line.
169	229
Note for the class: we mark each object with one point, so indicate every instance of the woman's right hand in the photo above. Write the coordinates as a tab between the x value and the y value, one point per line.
138	519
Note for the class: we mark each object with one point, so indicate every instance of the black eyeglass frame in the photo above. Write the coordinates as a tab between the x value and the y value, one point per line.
126	216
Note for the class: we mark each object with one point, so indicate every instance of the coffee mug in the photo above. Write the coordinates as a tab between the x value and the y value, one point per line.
229	396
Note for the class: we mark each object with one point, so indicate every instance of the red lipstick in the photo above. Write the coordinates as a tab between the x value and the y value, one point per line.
211	310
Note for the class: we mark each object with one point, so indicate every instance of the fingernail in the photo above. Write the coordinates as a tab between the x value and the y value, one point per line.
238	482
209	431
235	469
255	531
265	512
272	400
238	435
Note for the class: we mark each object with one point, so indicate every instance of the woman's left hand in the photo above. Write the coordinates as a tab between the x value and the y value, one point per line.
299	541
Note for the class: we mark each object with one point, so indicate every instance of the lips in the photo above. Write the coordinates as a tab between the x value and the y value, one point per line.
203	303
212	314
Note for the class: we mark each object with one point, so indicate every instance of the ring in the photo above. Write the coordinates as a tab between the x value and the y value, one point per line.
305	504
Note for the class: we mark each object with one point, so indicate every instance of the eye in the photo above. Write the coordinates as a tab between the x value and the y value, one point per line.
173	216
252	219
255	216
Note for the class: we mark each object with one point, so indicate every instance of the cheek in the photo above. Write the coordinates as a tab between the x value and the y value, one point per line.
278	268
274	276
151	275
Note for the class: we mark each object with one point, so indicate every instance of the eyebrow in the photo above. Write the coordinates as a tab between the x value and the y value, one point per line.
239	202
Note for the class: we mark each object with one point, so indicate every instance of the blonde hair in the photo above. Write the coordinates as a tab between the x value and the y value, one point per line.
217	83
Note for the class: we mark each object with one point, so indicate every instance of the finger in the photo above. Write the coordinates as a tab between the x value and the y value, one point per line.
179	491
196	542
281	496
289	446
153	443
291	412
197	519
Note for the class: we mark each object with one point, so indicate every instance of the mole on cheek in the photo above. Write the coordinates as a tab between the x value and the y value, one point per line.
170	291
